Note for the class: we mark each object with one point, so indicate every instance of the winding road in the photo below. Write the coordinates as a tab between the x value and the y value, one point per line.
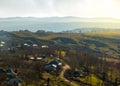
66	67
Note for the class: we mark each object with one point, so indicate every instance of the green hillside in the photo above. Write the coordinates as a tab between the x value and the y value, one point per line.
99	43
87	59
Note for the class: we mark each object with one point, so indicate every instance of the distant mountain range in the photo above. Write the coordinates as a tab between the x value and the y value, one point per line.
83	30
57	24
60	19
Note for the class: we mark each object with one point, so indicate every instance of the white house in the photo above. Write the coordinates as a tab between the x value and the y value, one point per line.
44	46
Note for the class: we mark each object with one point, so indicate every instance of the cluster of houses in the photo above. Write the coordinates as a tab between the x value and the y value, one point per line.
34	45
53	65
10	77
37	58
2	43
19	45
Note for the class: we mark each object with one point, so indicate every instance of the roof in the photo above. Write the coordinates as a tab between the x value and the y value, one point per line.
10	71
43	55
32	58
50	67
38	58
35	45
44	46
54	62
14	80
2	42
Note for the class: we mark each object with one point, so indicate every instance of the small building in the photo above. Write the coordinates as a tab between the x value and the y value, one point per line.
35	45
56	63
49	67
44	46
53	65
25	44
1	45
10	72
43	55
14	82
2	42
11	77
32	58
35	58
39	58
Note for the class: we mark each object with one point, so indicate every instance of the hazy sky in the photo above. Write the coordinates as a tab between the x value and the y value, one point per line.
48	8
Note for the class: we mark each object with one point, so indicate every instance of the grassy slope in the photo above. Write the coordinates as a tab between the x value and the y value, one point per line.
110	38
107	42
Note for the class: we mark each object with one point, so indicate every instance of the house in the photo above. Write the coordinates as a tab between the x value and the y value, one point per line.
49	67
14	82
44	46
43	55
53	66
2	42
32	58
56	63
10	72
11	76
35	58
35	45
1	45
39	58
25	44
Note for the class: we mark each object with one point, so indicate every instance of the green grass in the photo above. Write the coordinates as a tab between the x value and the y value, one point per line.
91	79
55	80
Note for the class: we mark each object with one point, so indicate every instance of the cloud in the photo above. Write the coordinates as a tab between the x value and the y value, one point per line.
15	7
43	8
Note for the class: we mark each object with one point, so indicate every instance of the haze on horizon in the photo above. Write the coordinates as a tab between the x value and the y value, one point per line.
60	8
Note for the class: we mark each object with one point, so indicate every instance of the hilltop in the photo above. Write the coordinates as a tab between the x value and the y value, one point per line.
99	43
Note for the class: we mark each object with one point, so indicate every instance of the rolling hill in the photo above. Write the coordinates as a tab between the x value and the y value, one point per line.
106	43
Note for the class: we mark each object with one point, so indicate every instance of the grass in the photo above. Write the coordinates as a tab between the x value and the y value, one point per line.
48	59
112	60
111	34
55	81
91	79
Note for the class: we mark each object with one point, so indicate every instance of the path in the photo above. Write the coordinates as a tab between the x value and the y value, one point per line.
66	67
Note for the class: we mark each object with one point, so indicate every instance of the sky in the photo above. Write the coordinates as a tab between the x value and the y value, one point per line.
60	8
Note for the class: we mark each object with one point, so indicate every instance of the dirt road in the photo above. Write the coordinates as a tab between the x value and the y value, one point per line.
66	67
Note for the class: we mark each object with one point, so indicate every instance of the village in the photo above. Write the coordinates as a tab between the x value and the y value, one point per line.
49	60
